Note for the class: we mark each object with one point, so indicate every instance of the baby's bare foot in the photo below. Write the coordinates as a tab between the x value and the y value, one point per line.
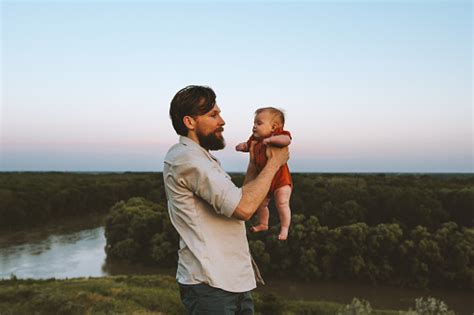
259	227
283	234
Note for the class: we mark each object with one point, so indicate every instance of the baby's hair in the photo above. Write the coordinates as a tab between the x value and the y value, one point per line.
278	114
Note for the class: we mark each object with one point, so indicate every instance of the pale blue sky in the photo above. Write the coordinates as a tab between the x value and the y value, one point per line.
369	86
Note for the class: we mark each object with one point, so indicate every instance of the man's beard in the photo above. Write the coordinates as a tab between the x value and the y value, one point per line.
210	141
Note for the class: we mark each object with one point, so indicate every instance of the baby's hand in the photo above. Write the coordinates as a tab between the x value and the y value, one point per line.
267	141
241	147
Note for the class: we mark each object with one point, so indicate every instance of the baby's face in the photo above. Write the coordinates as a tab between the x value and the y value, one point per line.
263	125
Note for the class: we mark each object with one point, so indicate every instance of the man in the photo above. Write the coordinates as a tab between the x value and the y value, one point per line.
215	273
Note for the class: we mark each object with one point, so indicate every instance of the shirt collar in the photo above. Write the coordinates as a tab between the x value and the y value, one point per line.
191	143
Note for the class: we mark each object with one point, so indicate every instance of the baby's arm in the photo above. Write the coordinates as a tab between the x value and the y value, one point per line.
278	141
242	147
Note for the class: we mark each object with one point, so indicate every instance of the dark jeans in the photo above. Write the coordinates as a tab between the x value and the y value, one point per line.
203	299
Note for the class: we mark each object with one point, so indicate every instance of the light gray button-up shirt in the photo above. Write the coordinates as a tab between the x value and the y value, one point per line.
201	199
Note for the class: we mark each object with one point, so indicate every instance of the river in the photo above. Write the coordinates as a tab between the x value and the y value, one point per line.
76	249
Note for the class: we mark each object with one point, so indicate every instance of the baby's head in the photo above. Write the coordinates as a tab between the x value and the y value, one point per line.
266	121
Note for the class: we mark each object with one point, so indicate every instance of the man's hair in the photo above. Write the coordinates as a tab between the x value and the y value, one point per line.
278	114
193	100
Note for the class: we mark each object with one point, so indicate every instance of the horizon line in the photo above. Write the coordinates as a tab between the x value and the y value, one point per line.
243	172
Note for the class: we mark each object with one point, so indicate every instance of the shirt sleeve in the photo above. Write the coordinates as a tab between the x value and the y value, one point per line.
208	181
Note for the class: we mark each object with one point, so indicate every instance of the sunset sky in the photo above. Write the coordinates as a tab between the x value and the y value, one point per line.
367	86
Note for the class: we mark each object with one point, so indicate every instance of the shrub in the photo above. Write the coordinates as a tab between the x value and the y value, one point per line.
140	230
431	306
357	307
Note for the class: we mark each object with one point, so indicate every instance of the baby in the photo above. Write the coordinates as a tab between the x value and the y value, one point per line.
268	130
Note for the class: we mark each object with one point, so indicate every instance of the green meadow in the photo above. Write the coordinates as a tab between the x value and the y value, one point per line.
155	294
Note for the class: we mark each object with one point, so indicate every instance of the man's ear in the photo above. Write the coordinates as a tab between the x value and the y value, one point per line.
189	122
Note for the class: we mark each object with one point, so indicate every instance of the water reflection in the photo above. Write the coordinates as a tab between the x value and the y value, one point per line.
71	255
55	253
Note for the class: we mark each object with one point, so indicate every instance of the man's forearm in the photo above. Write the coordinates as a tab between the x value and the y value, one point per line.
255	190
251	173
279	141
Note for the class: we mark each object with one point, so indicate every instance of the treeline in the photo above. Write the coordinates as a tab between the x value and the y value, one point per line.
139	230
383	253
28	198
31	199
406	199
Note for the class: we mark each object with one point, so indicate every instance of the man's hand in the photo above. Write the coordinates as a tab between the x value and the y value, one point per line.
256	188
252	153
278	155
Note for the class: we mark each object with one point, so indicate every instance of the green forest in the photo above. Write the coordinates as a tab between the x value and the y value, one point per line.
408	230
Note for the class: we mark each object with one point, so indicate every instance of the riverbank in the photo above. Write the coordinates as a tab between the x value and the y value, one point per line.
155	294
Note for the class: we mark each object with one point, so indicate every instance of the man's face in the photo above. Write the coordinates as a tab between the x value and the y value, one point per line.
209	129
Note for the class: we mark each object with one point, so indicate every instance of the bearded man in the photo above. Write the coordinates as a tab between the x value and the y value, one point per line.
215	272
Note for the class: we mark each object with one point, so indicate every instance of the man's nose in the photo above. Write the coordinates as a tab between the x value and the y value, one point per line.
222	122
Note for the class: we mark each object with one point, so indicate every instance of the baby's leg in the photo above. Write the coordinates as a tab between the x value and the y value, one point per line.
282	203
263	215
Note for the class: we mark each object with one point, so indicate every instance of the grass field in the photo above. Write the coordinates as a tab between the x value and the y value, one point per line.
155	294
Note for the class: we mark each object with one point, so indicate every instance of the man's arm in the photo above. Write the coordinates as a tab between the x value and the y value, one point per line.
252	172
279	141
255	189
